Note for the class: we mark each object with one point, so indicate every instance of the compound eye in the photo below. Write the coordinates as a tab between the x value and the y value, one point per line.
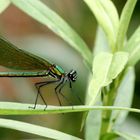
74	78
72	75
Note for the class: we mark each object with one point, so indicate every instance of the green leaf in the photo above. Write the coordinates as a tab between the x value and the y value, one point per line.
106	67
9	108
133	48
124	23
101	44
124	97
119	61
93	125
101	65
4	4
127	136
37	130
109	136
43	14
107	16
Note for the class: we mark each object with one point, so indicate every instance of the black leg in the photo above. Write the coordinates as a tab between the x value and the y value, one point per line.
56	91
76	94
38	86
78	99
65	98
102	96
59	91
59	87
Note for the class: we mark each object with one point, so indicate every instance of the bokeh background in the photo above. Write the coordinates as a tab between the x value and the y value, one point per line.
28	34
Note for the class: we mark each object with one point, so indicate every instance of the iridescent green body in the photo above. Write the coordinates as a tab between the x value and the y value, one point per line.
24	74
60	69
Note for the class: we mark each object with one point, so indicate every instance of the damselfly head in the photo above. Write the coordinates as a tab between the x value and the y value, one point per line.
72	75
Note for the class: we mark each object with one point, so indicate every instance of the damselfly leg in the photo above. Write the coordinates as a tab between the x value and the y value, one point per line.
38	87
59	88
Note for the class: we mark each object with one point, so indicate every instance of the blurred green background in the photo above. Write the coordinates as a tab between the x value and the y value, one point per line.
32	36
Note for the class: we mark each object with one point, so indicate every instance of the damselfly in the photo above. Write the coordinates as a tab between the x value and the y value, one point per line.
15	58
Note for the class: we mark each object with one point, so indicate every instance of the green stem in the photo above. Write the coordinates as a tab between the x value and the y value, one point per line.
108	100
106	114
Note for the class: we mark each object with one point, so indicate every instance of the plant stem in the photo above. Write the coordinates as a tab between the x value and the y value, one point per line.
108	100
106	114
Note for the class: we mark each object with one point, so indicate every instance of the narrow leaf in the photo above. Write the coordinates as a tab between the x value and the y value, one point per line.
124	97
9	108
93	125
101	44
34	129
107	16
127	136
124	23
43	14
133	48
4	4
119	61
110	136
101	65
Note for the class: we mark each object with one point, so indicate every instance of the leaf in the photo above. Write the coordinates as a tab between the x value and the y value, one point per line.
127	136
110	136
37	130
119	61
101	44
43	14
9	108
4	4
133	48
106	67
124	97
124	23
93	125
107	20
101	65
